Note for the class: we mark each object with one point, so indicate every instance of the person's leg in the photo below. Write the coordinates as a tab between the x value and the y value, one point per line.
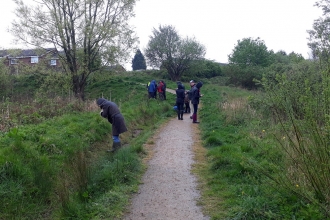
178	109
181	112
164	94
116	143
191	109
195	114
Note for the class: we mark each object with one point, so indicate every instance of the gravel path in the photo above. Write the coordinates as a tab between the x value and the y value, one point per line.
168	189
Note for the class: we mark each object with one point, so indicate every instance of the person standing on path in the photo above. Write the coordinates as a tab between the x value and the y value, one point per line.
111	112
191	106
180	95
164	88
195	100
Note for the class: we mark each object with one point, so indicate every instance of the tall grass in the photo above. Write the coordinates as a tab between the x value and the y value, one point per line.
302	108
58	168
244	159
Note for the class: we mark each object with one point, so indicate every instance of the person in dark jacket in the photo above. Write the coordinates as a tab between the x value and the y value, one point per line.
164	88
180	94
180	83
111	112
195	99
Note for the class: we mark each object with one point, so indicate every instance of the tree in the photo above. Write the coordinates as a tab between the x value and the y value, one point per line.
319	37
283	58
251	52
204	69
139	62
168	50
88	32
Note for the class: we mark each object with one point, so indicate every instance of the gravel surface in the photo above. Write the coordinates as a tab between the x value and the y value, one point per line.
168	189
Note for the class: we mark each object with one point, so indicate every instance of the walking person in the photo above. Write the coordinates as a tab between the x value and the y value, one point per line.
195	100
111	112
180	94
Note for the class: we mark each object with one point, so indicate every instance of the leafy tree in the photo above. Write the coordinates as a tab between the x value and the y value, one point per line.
319	36
247	60
139	62
89	32
251	52
282	57
204	69
166	49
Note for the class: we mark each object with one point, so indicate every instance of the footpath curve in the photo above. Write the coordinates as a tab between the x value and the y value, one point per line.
168	189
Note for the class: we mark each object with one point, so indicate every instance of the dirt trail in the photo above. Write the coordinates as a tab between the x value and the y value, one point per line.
168	189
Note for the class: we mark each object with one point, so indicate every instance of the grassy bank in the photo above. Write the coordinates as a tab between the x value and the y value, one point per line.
243	162
58	168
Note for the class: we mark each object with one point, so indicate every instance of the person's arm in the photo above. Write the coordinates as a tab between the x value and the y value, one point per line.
104	112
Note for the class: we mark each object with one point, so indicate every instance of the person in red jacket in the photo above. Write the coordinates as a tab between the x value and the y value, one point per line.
160	88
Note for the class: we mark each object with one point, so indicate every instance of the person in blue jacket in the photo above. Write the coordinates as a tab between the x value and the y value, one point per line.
152	89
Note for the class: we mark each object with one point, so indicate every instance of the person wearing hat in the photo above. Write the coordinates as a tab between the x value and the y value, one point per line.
111	112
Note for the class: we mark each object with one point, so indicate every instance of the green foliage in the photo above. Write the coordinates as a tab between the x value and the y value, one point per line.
59	167
245	162
138	62
319	35
250	60
247	61
282	57
300	104
251	52
202	69
94	32
166	49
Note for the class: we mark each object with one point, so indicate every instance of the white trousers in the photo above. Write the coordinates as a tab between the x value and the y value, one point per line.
191	108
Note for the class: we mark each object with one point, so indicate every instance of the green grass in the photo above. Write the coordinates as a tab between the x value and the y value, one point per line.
243	161
59	168
54	165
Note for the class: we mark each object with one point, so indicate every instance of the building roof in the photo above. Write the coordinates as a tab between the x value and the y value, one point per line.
26	52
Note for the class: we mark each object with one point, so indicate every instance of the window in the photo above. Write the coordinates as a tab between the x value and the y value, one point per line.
34	59
14	61
53	62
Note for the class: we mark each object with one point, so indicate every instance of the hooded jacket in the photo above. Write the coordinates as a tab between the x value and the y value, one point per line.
152	86
180	94
195	93
111	112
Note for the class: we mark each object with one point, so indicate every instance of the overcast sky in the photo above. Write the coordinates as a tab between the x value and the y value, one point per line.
217	24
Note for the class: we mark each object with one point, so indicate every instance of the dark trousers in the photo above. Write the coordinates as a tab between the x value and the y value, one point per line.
180	109
151	95
194	116
195	108
187	107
